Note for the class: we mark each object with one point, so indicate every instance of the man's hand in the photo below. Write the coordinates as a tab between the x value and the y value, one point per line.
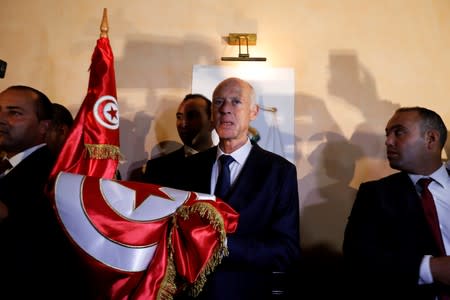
440	269
3	211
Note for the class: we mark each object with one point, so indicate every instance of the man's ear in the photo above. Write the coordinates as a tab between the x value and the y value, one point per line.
44	126
254	110
432	138
65	130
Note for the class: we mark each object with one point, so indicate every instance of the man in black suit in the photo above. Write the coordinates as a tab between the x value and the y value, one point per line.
193	121
263	191
389	249
36	259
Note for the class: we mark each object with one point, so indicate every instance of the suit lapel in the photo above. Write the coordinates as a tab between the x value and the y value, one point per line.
199	171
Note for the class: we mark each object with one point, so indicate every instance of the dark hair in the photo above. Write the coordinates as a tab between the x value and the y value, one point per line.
44	109
207	101
61	115
430	120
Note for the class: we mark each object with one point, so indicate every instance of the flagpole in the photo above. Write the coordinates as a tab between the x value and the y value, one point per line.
104	25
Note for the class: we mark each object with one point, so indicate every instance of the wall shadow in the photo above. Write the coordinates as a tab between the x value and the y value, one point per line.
142	54
352	82
336	156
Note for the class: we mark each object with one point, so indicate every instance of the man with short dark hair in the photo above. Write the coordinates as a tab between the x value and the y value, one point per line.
193	121
36	258
392	249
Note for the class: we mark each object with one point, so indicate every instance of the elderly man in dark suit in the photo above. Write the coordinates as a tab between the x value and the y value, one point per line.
263	190
390	250
36	259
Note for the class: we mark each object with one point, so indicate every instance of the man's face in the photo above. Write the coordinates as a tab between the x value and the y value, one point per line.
406	147
233	111
192	121
20	128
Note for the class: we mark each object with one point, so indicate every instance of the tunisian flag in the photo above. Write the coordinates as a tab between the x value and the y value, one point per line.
143	241
139	241
92	147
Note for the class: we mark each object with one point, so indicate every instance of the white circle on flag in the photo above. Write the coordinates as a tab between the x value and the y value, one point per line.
106	112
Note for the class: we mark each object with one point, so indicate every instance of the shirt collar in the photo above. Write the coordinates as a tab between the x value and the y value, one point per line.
239	155
16	159
440	176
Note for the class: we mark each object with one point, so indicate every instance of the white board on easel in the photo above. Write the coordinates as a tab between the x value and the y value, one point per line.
275	93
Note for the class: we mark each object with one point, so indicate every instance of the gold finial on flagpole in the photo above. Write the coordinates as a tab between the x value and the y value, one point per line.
104	26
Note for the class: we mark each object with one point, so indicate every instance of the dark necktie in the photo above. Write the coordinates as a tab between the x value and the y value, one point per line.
223	181
4	165
431	213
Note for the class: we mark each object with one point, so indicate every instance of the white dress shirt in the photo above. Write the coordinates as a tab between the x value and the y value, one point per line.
440	189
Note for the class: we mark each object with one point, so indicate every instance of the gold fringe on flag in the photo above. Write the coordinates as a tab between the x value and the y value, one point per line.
168	285
103	151
206	210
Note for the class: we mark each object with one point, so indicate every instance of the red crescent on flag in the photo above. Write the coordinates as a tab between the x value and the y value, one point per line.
117	223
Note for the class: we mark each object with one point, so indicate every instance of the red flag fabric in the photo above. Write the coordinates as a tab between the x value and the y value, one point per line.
143	241
92	147
139	241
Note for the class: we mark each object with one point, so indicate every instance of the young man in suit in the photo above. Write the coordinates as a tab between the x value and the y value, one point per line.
389	248
193	121
35	256
263	191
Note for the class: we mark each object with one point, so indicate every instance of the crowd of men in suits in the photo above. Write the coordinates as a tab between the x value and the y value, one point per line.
389	247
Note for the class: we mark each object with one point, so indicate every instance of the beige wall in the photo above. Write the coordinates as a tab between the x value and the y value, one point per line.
355	62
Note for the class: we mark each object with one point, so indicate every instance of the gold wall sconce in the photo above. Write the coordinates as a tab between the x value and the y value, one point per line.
243	40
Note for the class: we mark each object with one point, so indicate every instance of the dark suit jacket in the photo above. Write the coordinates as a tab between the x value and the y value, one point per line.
385	240
267	238
162	170
36	259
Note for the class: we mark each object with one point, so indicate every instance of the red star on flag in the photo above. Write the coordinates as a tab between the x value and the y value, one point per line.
144	191
112	112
